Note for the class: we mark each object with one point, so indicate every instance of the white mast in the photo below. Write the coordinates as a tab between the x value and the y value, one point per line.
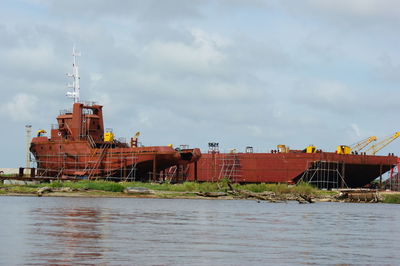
75	76
28	131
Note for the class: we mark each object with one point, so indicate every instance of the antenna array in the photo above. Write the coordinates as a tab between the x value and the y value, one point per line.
75	76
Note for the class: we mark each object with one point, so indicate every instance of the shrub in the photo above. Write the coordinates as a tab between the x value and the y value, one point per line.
305	189
391	198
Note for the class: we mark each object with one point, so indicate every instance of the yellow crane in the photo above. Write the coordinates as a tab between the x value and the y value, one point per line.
357	147
382	144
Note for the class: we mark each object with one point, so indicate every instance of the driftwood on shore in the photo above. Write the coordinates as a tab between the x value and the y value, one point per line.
265	196
212	194
359	195
304	199
43	190
138	190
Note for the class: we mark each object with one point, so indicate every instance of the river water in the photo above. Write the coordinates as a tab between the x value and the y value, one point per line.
129	231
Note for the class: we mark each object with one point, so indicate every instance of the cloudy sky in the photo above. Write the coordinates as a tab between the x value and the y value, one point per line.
238	72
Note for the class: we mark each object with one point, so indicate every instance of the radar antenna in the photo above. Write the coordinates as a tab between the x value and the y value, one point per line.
75	76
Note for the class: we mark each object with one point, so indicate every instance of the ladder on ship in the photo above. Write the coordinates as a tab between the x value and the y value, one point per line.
170	173
176	173
91	169
60	172
132	173
91	141
230	167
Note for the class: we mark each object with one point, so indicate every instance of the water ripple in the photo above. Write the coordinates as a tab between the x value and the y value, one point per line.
60	231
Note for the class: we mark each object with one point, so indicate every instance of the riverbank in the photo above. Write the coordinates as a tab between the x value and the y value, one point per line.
303	193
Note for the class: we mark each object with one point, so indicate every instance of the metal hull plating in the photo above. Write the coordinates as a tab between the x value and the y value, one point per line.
77	158
347	170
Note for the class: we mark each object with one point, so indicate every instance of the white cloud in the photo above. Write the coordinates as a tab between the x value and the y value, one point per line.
326	95
203	54
144	120
210	40
255	130
348	15
359	8
95	78
356	129
21	108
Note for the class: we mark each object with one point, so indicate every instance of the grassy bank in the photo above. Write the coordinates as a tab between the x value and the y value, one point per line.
189	187
186	189
271	192
391	198
89	185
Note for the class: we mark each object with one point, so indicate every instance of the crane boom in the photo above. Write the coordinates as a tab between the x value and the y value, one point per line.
357	147
382	144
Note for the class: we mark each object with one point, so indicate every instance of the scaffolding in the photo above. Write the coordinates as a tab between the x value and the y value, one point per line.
99	164
393	183
176	173
324	175
230	167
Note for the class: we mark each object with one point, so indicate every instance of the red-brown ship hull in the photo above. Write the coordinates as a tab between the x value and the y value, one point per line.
353	170
77	158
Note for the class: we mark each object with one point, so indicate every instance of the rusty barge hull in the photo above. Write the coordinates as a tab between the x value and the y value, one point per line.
349	170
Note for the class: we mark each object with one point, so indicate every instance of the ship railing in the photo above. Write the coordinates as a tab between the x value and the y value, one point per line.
122	140
87	111
55	126
65	111
88	103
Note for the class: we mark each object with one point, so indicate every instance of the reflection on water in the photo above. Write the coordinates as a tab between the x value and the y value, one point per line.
72	235
48	231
